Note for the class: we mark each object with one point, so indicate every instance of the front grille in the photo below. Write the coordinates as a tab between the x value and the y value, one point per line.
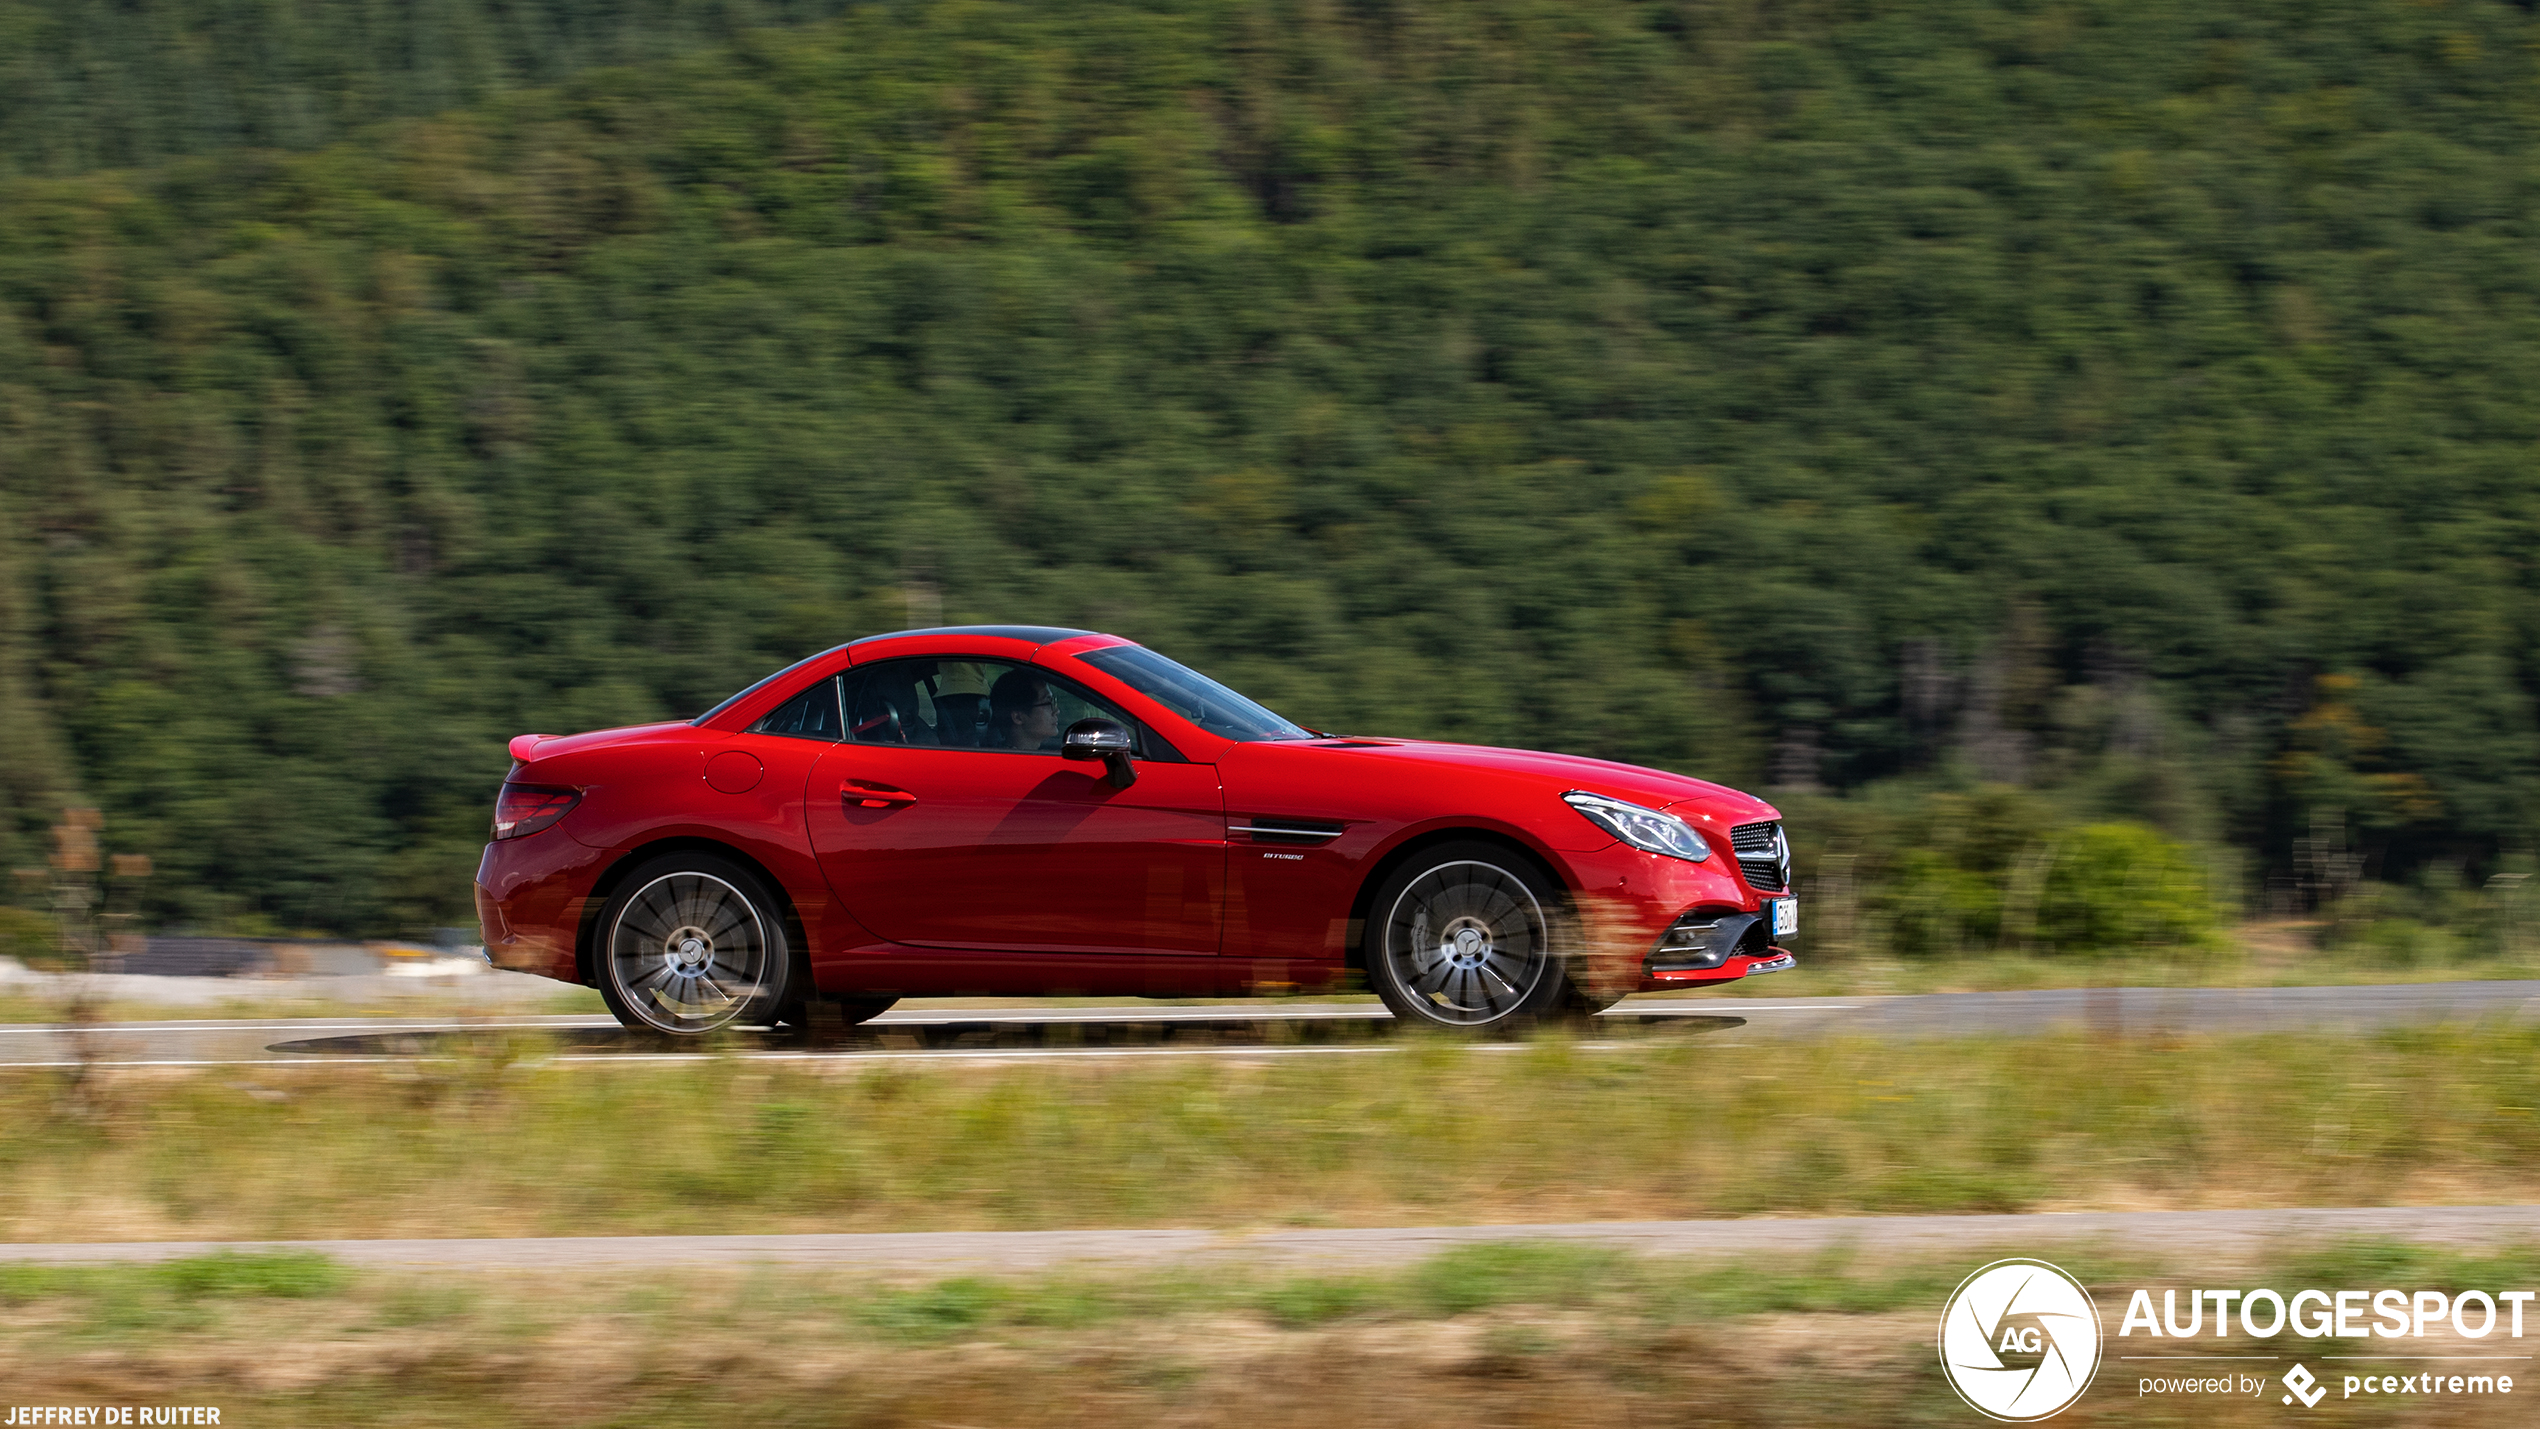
1761	856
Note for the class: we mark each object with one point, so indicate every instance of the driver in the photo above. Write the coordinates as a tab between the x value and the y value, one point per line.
1021	714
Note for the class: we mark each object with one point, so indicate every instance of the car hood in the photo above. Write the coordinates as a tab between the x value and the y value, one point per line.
1655	788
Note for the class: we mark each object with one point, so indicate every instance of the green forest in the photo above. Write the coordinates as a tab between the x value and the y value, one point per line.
2128	411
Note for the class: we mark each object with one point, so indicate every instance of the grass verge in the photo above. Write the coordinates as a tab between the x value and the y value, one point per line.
497	1143
1507	1334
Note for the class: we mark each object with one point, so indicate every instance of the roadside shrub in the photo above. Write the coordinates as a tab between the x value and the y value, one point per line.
27	936
2119	886
1922	873
2437	917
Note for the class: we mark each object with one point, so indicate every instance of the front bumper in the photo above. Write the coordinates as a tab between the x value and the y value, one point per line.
1628	900
1771	960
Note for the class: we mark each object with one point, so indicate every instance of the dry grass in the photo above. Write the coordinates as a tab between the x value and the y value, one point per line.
1505	1335
1404	1134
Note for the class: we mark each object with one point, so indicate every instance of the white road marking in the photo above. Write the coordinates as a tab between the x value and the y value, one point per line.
914	1018
948	1054
381	1025
1679	1008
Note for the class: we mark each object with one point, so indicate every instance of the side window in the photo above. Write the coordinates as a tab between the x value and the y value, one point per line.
881	703
966	704
813	714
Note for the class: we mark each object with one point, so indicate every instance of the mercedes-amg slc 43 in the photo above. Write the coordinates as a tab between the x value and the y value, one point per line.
1020	810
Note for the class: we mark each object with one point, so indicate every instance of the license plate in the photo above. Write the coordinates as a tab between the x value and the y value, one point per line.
1785	917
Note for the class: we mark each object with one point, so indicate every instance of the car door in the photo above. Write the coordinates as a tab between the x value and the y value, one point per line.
947	819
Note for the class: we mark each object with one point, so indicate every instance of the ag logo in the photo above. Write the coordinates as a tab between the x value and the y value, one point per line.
2020	1340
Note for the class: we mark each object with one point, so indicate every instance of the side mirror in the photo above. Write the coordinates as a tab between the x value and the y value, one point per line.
1107	740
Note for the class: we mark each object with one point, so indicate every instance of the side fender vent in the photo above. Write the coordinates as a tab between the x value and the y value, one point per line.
1308	832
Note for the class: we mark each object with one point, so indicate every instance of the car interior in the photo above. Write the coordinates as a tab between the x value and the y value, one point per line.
944	704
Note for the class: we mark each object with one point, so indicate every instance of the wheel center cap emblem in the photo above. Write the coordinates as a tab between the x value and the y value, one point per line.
688	950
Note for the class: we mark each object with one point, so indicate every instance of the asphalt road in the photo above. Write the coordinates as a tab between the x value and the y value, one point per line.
1278	1028
2217	1236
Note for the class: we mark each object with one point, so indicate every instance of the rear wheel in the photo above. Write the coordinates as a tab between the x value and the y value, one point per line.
692	943
1469	936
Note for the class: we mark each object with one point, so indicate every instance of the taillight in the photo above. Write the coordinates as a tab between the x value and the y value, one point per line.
524	809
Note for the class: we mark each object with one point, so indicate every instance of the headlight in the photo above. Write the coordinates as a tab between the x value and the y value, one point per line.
1641	828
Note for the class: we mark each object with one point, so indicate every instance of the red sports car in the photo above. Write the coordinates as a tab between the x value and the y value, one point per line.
1022	810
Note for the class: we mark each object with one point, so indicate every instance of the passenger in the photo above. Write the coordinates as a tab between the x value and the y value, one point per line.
961	703
1021	714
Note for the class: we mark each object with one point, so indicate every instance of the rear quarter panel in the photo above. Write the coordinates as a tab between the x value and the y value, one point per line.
651	788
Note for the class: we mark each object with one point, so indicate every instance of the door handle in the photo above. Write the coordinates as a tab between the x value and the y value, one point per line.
857	794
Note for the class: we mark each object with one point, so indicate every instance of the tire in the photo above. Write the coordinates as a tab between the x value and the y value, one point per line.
693	943
1469	937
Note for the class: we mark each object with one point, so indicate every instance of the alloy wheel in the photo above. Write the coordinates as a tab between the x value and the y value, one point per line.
689	952
1468	944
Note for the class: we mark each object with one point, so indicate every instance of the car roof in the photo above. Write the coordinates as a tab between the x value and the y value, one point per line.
1036	634
928	644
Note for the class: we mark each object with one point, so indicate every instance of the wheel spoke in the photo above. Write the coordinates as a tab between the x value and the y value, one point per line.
661	906
645	923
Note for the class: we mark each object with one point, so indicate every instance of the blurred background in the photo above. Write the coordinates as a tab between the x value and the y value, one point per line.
2078	457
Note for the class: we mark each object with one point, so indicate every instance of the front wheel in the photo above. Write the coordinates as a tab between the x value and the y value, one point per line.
692	943
1469	936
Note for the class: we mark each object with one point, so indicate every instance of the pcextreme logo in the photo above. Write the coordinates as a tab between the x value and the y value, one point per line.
2019	1340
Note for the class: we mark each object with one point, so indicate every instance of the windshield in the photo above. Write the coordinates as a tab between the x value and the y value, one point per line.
1192	695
